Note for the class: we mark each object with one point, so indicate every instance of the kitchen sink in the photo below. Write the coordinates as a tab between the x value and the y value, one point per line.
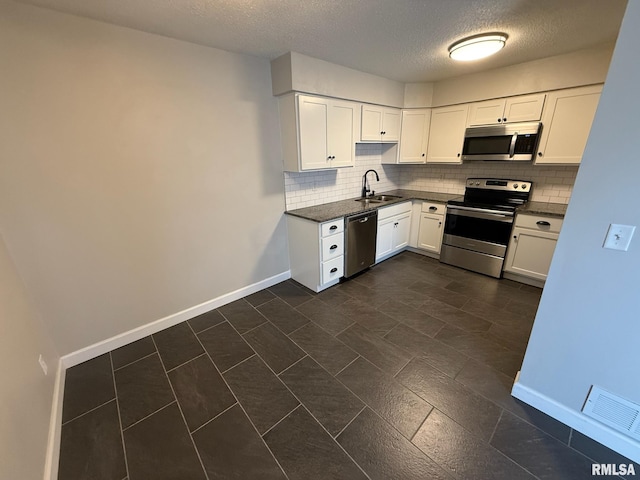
378	199
385	198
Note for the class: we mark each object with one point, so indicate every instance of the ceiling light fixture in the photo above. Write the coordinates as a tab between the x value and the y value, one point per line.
477	46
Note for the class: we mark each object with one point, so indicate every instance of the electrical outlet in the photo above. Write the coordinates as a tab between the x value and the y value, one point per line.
43	364
619	237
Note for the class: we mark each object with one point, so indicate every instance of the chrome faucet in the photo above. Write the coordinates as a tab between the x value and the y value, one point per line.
365	190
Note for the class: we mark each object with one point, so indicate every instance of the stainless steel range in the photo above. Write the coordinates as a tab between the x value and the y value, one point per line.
478	226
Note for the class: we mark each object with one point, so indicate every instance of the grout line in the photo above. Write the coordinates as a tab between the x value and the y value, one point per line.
301	326
206	475
347	365
495	427
237	364
210	327
306	355
422	423
236	398
351	421
184	363
88	411
135	361
348	327
282	419
252	328
115	389
147	416
213	418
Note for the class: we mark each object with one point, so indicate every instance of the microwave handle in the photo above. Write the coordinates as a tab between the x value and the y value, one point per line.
512	147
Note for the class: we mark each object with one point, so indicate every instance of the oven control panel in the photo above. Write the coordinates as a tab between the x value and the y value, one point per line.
499	184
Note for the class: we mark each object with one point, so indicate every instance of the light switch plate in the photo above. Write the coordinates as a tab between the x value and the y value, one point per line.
619	237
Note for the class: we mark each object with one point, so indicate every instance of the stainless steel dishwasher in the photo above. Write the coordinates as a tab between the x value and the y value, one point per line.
360	239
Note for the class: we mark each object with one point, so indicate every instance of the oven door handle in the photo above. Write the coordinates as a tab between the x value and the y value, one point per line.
496	215
512	147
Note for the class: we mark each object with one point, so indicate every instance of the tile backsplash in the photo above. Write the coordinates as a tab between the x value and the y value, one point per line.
550	183
313	188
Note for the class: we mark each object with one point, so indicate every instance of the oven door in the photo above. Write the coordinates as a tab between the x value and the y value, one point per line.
478	229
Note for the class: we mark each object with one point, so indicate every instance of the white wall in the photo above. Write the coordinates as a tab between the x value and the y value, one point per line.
587	328
26	394
301	73
583	67
139	175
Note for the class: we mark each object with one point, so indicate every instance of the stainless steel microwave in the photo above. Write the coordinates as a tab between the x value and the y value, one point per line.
507	142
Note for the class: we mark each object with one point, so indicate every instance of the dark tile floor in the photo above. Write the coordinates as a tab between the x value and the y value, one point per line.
401	373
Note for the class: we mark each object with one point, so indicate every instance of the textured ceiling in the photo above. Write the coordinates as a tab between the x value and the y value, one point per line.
404	40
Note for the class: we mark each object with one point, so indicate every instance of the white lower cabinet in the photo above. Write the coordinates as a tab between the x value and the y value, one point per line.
431	227
533	241
316	252
394	228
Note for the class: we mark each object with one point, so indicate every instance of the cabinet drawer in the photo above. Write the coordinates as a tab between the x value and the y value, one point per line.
435	208
539	222
392	210
334	226
333	269
332	246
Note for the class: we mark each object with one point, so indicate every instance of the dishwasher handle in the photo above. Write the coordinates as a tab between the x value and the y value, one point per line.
362	217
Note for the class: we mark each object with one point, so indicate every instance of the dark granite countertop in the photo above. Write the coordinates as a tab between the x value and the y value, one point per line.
544	208
342	208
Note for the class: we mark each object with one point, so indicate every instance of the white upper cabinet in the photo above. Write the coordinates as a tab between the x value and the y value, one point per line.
380	124
446	134
414	136
523	108
317	133
566	123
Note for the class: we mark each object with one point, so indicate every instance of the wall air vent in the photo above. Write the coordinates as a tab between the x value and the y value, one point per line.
616	412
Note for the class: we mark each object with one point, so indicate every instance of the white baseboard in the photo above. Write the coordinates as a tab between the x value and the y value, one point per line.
55	426
97	349
591	428
522	279
424	252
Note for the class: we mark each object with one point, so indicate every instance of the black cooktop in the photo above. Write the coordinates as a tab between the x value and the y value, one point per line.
494	194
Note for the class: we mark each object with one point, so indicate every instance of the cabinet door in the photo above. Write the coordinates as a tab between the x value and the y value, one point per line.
371	126
430	234
312	117
524	108
414	136
391	124
341	134
530	253
566	123
384	238
446	134
401	231
486	113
